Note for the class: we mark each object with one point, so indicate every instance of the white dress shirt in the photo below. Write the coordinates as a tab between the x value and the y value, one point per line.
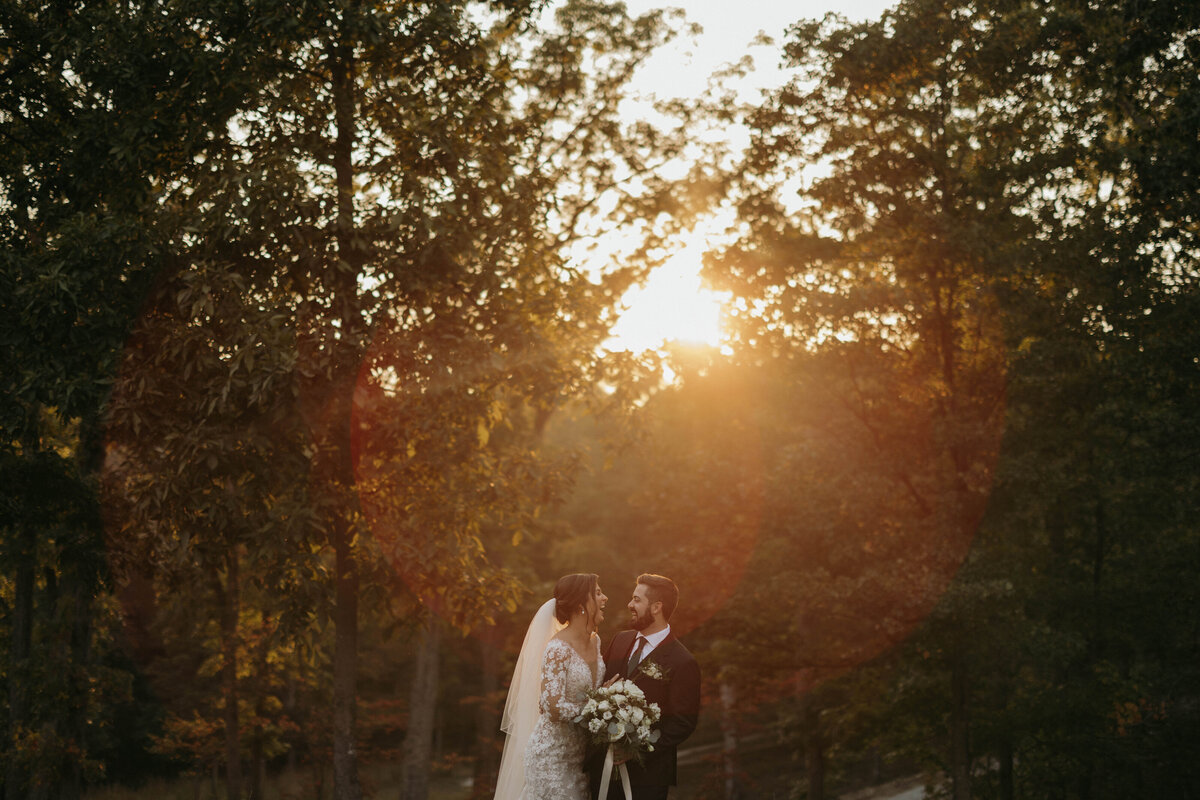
652	641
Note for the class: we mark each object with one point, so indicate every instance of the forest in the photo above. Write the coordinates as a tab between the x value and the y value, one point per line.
307	399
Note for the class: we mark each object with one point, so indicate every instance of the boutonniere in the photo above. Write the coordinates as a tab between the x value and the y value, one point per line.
652	670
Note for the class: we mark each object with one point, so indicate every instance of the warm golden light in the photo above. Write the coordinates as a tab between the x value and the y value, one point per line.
673	306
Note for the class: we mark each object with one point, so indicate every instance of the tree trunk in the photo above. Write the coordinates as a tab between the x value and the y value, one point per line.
418	743
1084	785
1006	768
19	652
1096	646
729	739
84	588
960	761
487	723
814	750
343	276
876	767
52	728
82	581
345	668
229	643
292	768
256	764
257	758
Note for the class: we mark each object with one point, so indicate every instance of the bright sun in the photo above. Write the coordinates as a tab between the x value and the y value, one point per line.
671	306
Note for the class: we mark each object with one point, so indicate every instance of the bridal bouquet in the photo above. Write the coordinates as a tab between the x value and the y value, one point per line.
619	717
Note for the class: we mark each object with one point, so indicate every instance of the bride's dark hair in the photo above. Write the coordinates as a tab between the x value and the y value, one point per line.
571	594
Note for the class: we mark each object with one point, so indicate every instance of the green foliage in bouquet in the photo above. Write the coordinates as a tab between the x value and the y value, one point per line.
619	716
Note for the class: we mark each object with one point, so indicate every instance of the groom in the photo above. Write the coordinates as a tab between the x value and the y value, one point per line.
666	672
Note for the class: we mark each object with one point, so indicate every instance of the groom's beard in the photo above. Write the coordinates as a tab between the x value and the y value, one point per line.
640	623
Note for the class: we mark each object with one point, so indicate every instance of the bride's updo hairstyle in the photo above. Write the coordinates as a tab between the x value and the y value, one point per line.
571	594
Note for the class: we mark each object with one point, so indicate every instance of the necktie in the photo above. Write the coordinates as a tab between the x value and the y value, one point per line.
636	658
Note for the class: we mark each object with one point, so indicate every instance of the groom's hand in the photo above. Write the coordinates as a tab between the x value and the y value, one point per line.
612	680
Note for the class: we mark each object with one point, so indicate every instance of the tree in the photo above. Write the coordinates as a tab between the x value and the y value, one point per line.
984	248
879	292
387	218
205	462
100	107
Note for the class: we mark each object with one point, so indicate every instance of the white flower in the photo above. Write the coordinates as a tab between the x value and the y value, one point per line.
651	670
620	713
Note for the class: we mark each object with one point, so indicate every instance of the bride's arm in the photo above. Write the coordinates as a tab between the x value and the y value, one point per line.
554	685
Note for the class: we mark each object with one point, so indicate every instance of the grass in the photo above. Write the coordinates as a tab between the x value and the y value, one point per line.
378	781
768	772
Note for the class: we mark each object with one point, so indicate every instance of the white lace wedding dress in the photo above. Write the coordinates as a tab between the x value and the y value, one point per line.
554	757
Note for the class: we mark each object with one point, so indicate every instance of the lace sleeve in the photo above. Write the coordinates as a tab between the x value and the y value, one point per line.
555	668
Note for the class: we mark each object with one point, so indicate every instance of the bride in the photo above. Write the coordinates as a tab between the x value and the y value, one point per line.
559	662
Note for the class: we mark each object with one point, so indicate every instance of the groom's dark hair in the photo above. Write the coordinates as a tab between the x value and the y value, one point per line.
661	589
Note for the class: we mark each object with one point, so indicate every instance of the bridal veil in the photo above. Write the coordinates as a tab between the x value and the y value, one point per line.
521	707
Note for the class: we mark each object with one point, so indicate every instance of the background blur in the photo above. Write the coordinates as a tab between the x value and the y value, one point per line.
332	334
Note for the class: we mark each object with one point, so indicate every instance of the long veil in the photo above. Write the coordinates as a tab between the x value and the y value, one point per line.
521	707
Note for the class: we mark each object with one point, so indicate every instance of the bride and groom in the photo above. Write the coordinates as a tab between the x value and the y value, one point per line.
546	755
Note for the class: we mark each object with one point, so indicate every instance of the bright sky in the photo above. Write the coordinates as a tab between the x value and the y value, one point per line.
673	304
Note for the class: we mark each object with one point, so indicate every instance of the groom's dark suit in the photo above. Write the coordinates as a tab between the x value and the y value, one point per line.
677	693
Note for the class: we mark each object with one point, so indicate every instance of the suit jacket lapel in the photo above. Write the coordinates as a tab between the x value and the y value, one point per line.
664	644
626	651
663	649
